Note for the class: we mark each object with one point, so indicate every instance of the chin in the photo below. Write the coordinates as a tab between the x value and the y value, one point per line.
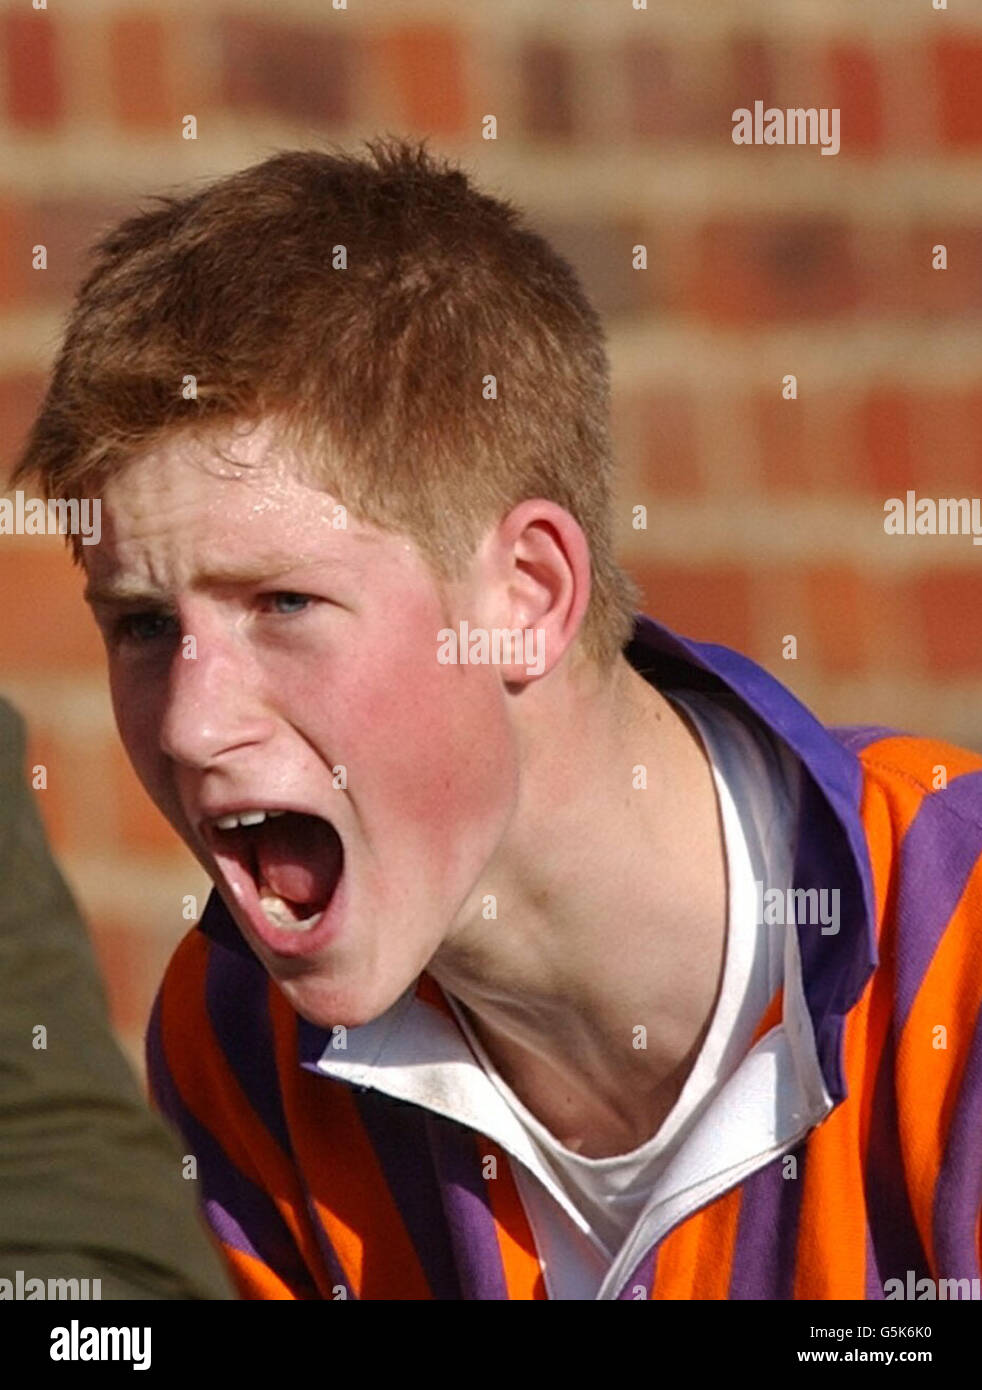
328	1003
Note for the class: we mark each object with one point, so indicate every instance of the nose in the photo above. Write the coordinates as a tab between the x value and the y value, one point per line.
213	706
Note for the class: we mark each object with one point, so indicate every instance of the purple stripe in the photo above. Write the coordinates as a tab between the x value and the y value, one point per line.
765	1250
466	1205
936	858
893	1229
856	737
398	1134
311	1044
335	1275
238	975
874	1284
643	1276
832	849
218	924
234	1207
834	765
958	1195
835	967
237	1000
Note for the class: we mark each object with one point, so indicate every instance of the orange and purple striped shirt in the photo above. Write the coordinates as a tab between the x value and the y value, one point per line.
323	1176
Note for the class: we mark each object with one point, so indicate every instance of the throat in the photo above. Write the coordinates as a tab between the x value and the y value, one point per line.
589	1115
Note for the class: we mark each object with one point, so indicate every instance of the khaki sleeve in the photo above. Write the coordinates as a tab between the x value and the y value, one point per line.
90	1178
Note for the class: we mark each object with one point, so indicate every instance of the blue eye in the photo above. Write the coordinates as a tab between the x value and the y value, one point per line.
289	597
140	628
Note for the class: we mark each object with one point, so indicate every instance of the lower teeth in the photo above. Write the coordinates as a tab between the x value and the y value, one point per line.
279	915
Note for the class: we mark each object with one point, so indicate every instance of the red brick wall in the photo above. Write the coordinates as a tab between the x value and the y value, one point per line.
614	128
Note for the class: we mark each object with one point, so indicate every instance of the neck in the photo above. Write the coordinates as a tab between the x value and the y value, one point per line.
593	986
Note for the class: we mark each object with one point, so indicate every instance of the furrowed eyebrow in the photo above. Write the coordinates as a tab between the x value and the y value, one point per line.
118	592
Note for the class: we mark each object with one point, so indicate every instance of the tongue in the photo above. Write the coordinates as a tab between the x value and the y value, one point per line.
299	857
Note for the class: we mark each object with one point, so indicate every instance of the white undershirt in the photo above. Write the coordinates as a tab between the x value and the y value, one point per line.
756	781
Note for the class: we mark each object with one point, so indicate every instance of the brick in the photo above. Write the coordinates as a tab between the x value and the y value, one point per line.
20	283
600	252
143	829
79	817
675	255
852	83
910	96
141	76
779	435
54	800
20	395
844	612
712	602
687	92
799	79
547	91
657	99
955	292
889	264
46	625
946	428
782	613
946	606
958	70
886	439
33	81
302	72
119	955
750	75
759	271
669	459
972	415
423	66
69	228
804	446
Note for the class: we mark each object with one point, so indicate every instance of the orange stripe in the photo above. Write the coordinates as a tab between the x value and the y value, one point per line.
885	823
831	1254
342	1174
916	758
929	1078
253	1279
946	990
770	1018
696	1259
523	1272
688	1263
211	1092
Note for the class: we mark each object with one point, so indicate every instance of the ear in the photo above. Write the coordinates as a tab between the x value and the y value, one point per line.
536	572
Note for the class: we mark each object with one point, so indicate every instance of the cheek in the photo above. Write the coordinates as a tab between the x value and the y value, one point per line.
436	749
138	722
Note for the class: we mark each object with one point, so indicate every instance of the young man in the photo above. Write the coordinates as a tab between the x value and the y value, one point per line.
550	954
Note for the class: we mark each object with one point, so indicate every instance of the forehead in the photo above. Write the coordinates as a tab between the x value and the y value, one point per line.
238	496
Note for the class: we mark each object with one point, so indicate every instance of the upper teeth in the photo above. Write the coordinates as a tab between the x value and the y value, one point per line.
245	818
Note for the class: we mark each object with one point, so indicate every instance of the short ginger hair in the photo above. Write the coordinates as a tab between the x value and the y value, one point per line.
362	302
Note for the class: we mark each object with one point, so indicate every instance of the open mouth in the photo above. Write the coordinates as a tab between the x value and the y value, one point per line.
283	865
